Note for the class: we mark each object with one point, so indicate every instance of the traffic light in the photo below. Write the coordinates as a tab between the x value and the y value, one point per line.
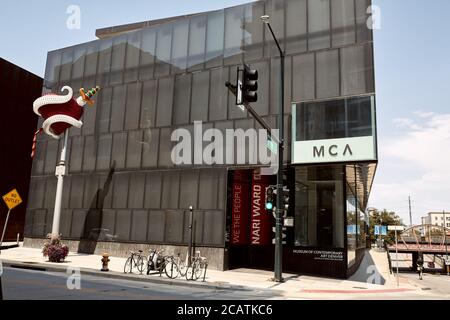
249	85
271	197
286	193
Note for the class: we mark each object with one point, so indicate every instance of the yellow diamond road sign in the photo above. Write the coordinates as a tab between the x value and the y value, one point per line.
12	199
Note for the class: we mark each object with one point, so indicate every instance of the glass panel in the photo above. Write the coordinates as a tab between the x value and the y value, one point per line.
76	153
174	227
359	117
319	211
218	104
52	68
318	24
214	39
90	153
90	68
180	46
76	190
150	146
148	107
156	226
104	105
357	70
104	57
170	190
303	81
51	156
253	31
148	47
119	149
78	62
197	37
234	35
133	106
104	152
120	182
165	101
132	56
134	149
275	9
118	59
123	224
182	99
343	22
137	189
200	91
66	64
139	227
188	189
118	108
163	49
153	186
327	63
296	26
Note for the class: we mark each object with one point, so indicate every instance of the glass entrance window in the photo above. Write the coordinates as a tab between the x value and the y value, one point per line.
319	206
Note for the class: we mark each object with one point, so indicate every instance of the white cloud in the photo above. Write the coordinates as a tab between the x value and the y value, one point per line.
425	151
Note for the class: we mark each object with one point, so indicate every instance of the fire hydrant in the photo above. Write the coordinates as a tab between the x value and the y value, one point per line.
105	261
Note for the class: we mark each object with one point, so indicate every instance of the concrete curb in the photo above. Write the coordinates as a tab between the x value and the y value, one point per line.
132	277
9	247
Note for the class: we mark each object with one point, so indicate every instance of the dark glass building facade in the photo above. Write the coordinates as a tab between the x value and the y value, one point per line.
123	190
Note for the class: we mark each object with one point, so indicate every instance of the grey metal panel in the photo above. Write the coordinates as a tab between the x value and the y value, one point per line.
36	193
76	191
197	227
200	92
119	149
77	227
51	156
355	71
214	229
174	226
156	225
52	68
218	95
275	9
134	149
303	77
170	190
165	102
343	22
108	222
79	55
153	188
76	154
208	186
137	190
104	105
104	56
133	106
150	146
121	189
262	105
318	24
222	191
189	189
90	153
163	50
182	98
165	148
118	108
327	64
274	85
105	183
90	65
123	224
66	191
65	222
215	39
104	152
66	64
39	223
296	26
148	106
39	157
148	53
363	33
132	56
118	59
139	225
91	192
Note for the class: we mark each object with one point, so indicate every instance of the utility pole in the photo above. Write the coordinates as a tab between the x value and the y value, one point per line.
410	215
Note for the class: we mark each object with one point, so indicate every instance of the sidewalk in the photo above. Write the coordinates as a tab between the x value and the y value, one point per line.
295	286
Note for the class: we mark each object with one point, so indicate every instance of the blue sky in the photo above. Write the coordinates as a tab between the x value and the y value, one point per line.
412	63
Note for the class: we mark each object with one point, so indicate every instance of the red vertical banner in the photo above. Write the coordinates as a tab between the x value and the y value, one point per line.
240	208
261	220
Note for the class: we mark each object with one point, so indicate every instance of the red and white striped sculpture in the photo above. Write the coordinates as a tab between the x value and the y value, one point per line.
60	112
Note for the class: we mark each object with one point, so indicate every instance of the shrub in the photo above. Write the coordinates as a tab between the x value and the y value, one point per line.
54	249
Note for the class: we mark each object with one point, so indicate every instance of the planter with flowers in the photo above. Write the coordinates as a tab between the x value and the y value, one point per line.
54	249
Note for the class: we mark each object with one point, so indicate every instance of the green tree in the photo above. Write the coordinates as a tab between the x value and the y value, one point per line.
384	218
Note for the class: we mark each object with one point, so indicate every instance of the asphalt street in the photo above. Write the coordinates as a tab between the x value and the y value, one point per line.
20	284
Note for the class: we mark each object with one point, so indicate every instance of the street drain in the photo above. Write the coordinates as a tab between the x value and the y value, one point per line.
426	289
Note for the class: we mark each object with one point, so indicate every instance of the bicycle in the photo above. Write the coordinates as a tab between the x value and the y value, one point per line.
174	266
197	267
137	260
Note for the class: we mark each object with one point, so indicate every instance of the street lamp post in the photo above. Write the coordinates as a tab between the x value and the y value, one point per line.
279	209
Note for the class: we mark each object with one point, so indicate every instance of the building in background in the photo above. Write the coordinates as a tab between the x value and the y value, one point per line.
441	219
18	89
123	190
